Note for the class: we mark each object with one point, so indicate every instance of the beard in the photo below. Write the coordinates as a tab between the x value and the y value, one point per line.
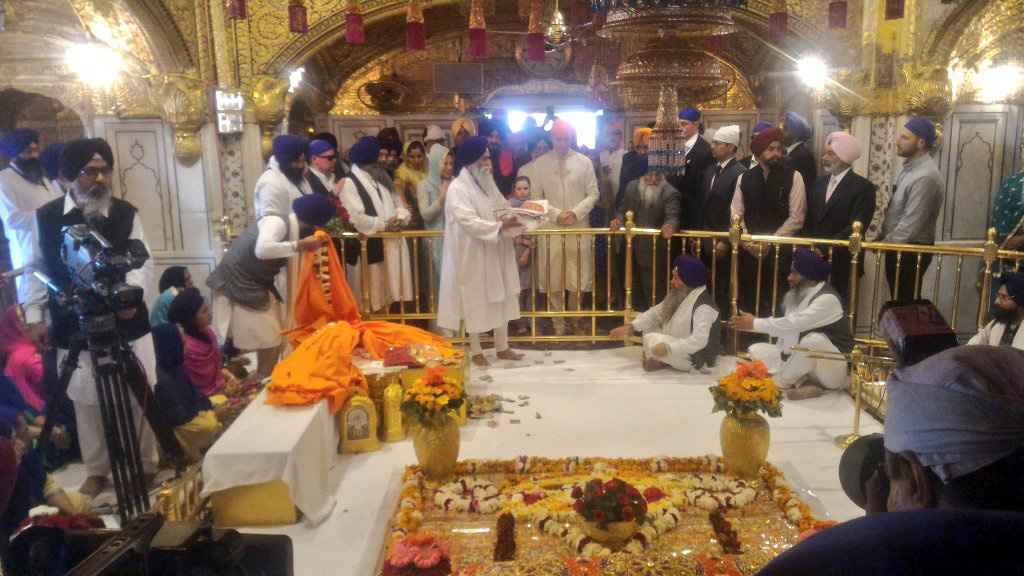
772	162
795	296
675	297
32	168
93	201
294	175
1003	315
484	179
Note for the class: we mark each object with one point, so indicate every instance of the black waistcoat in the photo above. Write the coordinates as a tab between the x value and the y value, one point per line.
766	202
374	246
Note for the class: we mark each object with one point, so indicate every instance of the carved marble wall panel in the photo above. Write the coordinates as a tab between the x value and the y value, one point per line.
823	125
348	129
412	127
234	195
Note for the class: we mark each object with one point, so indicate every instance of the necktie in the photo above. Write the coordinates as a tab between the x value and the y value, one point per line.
831	188
718	171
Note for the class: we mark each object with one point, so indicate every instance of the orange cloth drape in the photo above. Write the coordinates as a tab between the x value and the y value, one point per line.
378	336
311	302
320	367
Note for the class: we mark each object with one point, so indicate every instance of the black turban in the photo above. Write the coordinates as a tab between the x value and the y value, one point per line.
173	276
185	306
78	153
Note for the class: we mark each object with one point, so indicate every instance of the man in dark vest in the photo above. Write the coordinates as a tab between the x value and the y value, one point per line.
682	331
771	199
837	200
323	158
247	307
698	158
86	165
814	318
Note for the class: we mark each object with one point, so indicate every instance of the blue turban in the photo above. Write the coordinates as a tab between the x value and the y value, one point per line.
50	158
691	270
314	209
17	141
760	127
471	150
78	153
319	147
365	151
810	265
691	114
796	126
923	128
1014	282
288	148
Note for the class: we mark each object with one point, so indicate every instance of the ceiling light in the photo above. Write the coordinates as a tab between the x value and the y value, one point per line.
295	79
97	65
812	72
997	83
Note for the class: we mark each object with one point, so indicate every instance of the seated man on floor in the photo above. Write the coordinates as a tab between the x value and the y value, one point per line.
814	319
682	331
1007	314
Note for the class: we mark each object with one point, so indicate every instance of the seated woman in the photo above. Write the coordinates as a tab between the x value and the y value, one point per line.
179	403
172	281
202	353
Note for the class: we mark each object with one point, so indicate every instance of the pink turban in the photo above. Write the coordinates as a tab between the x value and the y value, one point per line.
562	128
845	146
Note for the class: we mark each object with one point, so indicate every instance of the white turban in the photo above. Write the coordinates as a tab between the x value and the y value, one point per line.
958	411
728	135
845	146
434	132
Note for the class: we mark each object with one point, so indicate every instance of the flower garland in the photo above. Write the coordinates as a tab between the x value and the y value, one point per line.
470	494
713	491
410	507
418	553
660	521
795	510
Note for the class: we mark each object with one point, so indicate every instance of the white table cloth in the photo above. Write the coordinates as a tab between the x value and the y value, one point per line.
297	445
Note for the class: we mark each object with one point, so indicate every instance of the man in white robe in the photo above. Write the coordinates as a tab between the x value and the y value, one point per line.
611	155
682	331
373	209
814	319
1007	315
479	276
566	179
284	179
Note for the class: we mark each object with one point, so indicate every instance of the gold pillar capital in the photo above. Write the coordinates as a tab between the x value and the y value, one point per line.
268	105
183	105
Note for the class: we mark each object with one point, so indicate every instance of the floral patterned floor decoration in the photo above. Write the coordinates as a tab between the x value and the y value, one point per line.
699	519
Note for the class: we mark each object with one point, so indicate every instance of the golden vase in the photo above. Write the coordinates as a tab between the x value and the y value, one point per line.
745	437
437	449
614	535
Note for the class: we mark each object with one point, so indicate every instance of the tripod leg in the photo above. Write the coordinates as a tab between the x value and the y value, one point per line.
67	368
111	432
130	436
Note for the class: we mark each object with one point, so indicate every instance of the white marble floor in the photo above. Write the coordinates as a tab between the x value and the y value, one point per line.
591	403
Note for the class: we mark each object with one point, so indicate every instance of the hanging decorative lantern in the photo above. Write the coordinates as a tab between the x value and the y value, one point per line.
477	30
236	10
598	89
354	23
667	151
894	9
535	33
297	21
718	42
415	29
778	22
837	14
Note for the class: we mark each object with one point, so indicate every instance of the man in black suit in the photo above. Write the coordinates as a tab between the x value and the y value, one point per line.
698	158
750	161
836	201
712	214
323	158
799	156
634	162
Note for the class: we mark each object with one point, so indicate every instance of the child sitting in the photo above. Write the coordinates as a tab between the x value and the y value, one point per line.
172	281
202	353
524	249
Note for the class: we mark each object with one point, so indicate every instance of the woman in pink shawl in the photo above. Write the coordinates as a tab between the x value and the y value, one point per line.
202	353
24	364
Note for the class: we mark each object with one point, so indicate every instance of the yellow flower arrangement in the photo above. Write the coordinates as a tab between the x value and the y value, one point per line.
431	397
749	389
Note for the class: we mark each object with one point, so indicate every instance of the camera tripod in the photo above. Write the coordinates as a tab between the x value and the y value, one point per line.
118	377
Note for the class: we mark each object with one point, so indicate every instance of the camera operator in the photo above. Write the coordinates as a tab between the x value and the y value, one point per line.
86	165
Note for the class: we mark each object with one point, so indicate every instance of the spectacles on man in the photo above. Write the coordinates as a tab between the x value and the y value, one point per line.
332	157
94	171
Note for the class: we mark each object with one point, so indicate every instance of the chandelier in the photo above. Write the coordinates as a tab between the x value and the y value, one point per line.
697	75
670	19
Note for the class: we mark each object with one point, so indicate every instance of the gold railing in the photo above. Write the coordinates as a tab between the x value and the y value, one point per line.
759	262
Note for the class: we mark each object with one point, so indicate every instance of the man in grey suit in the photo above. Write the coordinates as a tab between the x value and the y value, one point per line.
655	204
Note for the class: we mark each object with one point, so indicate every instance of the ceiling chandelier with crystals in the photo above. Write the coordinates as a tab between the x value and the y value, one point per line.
668	19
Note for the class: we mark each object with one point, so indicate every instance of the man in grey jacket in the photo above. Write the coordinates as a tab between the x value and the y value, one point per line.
655	204
914	208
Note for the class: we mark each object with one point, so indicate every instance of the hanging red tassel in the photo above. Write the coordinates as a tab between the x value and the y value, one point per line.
354	23
718	42
837	14
297	21
415	29
535	33
477	30
236	10
894	9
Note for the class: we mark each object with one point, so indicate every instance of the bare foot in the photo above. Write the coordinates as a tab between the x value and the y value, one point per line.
804	392
479	360
652	364
508	354
93	485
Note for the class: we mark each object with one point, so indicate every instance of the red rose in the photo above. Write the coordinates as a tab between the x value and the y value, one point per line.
643	507
653	494
628	515
614	482
596	492
622	498
577	492
578	506
599	516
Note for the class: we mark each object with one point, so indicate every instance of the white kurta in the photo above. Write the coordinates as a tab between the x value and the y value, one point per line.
275	192
661	325
614	160
390	280
479	277
992	335
566	185
19	200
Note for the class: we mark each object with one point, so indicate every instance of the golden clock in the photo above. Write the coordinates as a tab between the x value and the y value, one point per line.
556	59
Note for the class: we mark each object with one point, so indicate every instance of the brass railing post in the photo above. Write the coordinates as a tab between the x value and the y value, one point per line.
364	281
734	271
627	312
990	256
854	248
